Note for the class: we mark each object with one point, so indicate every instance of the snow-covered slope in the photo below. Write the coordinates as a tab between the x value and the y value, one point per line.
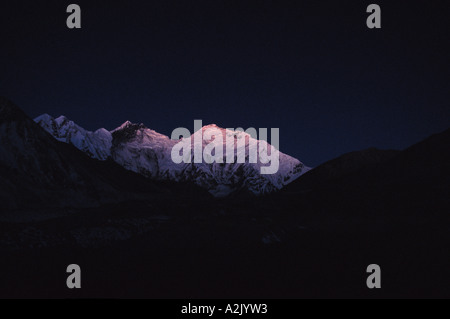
142	150
224	178
96	144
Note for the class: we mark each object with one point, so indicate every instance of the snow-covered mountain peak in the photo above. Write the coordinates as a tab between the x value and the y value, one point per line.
130	126
149	153
125	125
96	144
238	139
102	131
43	118
205	127
61	120
129	132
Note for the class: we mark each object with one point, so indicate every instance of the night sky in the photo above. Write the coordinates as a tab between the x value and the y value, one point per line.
311	68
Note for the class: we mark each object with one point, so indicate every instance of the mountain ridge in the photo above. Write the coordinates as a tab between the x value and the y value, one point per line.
422	167
147	152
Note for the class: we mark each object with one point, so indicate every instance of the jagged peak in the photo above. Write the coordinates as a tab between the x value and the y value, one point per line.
123	126
62	118
210	125
44	117
225	131
102	130
128	125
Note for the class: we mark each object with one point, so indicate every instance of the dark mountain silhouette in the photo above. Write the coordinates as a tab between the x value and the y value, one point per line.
335	170
424	164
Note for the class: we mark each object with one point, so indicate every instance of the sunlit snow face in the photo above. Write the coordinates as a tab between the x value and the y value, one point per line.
210	143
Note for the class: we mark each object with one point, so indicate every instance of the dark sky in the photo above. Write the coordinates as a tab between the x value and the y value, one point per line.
311	68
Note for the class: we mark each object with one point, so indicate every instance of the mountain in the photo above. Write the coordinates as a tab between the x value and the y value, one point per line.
37	171
96	144
416	179
350	164
147	152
